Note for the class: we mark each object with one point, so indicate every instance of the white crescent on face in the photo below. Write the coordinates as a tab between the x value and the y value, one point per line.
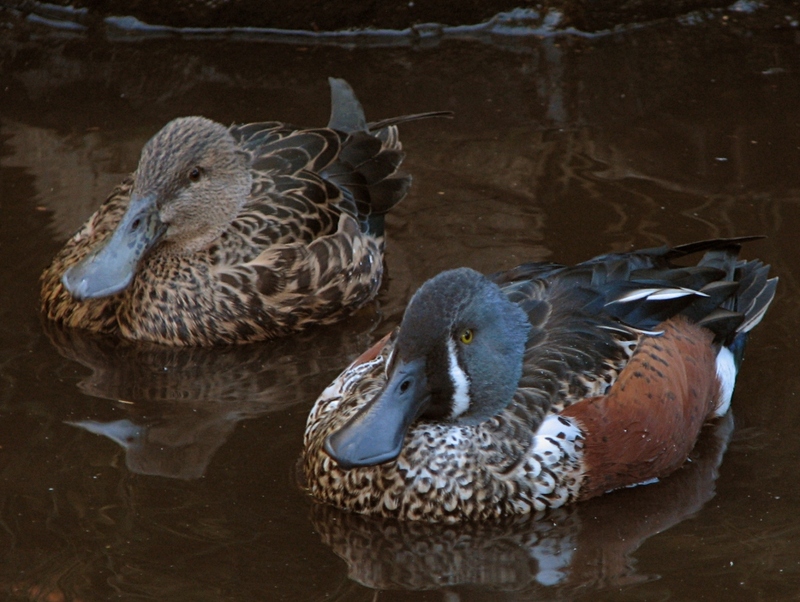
458	377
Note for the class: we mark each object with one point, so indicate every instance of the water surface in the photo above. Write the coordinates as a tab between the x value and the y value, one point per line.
138	473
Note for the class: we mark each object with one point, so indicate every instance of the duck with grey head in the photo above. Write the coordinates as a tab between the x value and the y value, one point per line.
537	387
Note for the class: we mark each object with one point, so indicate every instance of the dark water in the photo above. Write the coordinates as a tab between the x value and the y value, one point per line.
562	148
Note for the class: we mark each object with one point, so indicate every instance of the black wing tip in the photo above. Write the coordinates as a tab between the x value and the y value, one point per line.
384	123
712	244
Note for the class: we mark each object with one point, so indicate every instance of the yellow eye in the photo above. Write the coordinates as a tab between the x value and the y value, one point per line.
466	336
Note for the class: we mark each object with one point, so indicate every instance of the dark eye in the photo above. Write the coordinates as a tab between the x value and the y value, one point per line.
196	174
466	336
404	386
136	223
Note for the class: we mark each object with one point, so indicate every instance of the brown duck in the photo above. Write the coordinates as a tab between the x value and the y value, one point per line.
239	234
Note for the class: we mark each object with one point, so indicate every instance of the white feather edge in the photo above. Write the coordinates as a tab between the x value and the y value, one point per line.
656	294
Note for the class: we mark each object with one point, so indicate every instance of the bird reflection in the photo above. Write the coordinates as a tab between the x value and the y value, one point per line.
566	550
180	405
178	447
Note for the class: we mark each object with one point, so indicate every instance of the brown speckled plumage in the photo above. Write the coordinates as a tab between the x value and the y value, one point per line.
625	360
268	229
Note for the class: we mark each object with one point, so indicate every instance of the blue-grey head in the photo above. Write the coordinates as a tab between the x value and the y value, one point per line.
458	359
191	181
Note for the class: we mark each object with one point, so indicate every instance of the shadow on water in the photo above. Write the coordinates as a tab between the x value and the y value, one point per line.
561	149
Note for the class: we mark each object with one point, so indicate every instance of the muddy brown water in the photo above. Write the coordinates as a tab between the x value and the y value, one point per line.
133	473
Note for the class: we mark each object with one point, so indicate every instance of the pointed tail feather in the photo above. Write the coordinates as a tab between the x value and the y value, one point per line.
347	114
732	322
709	244
753	294
367	169
384	123
756	293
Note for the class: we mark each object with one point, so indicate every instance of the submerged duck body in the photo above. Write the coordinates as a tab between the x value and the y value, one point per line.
538	387
229	235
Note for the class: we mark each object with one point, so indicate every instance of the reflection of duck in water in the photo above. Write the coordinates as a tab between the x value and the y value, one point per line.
182	403
236	234
567	550
274	375
178	449
537	387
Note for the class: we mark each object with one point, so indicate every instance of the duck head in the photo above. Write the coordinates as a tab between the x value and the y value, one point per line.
458	359
191	181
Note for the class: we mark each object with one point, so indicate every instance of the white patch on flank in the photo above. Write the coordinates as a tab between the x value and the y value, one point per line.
459	380
552	426
554	440
554	467
726	375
